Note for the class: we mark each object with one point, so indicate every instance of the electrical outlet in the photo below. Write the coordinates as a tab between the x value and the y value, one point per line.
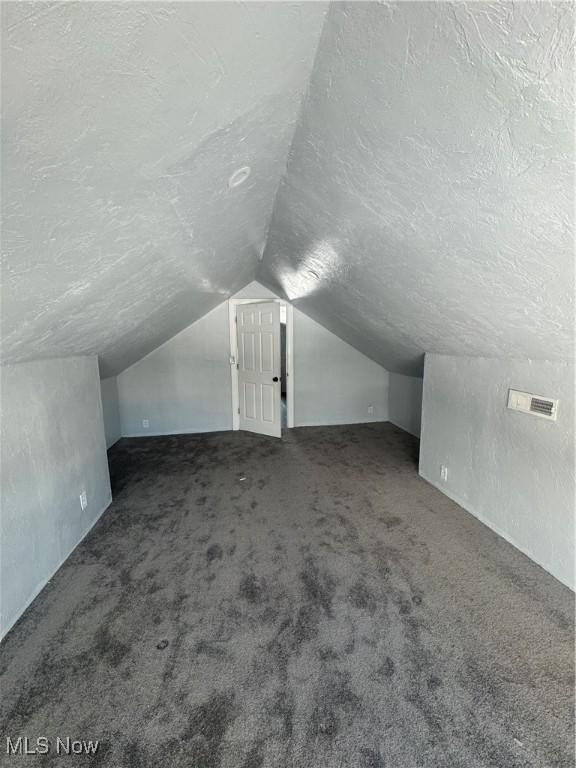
443	472
83	501
370	410
146	423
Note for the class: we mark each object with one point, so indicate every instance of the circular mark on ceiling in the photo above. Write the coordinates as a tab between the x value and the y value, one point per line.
239	176
314	274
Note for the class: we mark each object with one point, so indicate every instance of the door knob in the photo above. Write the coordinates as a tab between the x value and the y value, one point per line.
275	378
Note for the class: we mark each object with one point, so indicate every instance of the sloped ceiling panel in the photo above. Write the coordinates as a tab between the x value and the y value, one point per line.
427	204
123	124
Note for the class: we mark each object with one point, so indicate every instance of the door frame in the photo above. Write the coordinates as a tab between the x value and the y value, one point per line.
232	304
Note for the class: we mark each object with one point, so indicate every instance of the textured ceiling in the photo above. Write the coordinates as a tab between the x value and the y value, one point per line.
428	199
122	125
427	204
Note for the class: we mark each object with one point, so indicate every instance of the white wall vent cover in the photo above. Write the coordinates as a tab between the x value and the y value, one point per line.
537	405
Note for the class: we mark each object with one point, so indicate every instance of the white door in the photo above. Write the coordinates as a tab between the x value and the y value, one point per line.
258	334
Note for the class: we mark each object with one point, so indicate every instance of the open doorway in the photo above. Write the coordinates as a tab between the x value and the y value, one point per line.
283	377
241	384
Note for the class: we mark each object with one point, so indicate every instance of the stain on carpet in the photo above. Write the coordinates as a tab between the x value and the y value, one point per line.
247	602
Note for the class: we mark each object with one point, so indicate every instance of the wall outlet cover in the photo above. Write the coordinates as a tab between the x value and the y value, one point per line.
443	472
146	423
83	501
370	410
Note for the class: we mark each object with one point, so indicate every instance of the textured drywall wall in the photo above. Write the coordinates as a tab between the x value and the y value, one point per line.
405	402
111	410
52	449
185	385
428	200
123	123
513	471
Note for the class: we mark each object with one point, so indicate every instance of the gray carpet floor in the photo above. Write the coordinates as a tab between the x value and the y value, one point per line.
248	602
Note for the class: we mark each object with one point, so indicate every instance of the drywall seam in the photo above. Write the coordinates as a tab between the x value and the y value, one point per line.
305	97
4	630
489	524
405	403
110	410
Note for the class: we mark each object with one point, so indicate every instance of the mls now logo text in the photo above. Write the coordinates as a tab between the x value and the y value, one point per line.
22	745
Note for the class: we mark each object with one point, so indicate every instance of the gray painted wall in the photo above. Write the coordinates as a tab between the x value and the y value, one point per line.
333	382
405	402
513	471
184	385
111	410
52	448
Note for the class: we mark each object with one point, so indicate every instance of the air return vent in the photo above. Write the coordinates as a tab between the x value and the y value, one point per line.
537	405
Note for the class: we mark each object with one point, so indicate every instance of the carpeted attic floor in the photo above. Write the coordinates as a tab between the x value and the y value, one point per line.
309	602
